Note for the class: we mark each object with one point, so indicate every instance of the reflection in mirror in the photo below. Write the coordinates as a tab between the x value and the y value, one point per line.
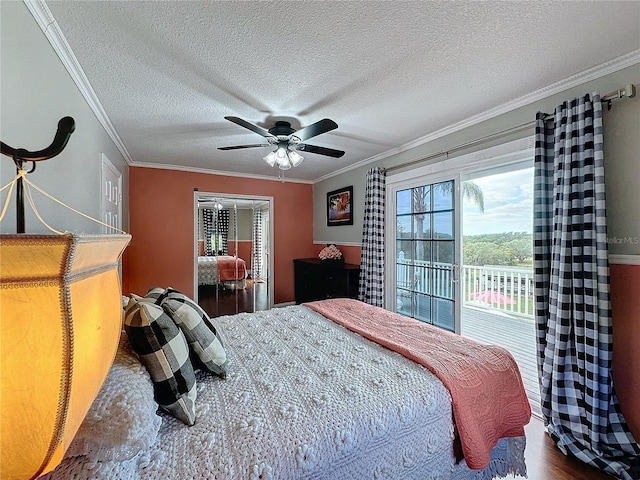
233	253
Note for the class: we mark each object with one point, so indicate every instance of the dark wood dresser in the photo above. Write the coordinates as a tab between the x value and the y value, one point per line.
316	280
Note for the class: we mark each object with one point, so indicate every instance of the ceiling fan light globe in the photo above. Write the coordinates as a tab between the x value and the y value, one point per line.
295	158
270	159
283	163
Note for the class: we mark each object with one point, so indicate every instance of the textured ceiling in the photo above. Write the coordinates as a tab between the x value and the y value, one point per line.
167	73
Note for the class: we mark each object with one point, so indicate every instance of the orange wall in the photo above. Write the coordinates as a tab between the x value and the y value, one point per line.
625	304
161	224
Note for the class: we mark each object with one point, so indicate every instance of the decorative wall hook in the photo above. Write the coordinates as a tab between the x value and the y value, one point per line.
66	127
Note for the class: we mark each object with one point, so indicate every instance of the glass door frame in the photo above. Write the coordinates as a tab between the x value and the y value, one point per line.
404	181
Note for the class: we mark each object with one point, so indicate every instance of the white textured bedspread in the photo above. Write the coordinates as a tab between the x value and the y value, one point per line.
307	399
207	271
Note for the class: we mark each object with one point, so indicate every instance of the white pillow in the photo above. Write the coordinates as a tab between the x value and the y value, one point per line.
122	421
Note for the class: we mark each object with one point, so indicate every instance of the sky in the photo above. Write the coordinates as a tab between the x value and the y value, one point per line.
508	204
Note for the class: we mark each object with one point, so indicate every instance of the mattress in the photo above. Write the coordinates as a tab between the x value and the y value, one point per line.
305	398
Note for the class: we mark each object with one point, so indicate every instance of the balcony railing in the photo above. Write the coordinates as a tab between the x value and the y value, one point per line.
509	289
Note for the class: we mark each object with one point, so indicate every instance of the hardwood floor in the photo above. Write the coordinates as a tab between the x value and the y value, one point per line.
546	462
218	301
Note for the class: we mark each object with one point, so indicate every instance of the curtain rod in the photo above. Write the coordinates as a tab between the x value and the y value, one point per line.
628	91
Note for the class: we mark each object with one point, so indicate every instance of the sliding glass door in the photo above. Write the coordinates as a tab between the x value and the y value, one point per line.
424	222
425	260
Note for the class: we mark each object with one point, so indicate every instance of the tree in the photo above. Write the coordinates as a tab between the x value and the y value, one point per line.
420	195
474	193
485	253
509	248
419	198
521	249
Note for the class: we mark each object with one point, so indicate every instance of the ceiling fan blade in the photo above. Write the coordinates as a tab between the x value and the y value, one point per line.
250	126
322	126
329	152
237	147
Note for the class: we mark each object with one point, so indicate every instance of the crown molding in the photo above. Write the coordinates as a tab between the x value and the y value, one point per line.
594	73
51	29
164	166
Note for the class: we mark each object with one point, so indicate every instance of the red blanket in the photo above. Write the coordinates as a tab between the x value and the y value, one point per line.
484	381
231	268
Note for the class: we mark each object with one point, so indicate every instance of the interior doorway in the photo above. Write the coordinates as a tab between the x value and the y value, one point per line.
233	253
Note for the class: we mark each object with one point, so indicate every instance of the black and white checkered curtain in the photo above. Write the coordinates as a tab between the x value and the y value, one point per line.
372	255
256	261
208	217
571	274
222	230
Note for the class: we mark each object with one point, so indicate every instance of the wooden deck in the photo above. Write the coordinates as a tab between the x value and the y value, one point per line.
515	334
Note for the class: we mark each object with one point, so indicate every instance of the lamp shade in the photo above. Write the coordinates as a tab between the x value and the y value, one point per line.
60	321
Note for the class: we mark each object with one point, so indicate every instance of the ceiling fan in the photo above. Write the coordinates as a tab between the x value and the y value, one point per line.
288	142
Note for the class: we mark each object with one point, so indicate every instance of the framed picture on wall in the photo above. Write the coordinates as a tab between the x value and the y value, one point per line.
340	207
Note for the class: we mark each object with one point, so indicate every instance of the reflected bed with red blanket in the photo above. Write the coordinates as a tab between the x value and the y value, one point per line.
222	269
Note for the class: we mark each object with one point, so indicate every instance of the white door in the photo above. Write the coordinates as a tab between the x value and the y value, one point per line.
111	205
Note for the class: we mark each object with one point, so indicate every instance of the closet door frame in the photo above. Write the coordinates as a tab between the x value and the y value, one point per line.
230	196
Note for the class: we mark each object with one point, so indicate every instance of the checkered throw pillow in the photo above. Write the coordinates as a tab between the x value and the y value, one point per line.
155	295
164	351
203	338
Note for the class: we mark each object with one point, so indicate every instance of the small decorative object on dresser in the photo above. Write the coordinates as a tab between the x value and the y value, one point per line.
331	255
317	279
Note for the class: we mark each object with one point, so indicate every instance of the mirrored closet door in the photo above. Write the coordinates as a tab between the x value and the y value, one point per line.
233	253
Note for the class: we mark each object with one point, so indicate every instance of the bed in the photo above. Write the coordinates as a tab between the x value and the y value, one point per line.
224	270
307	397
